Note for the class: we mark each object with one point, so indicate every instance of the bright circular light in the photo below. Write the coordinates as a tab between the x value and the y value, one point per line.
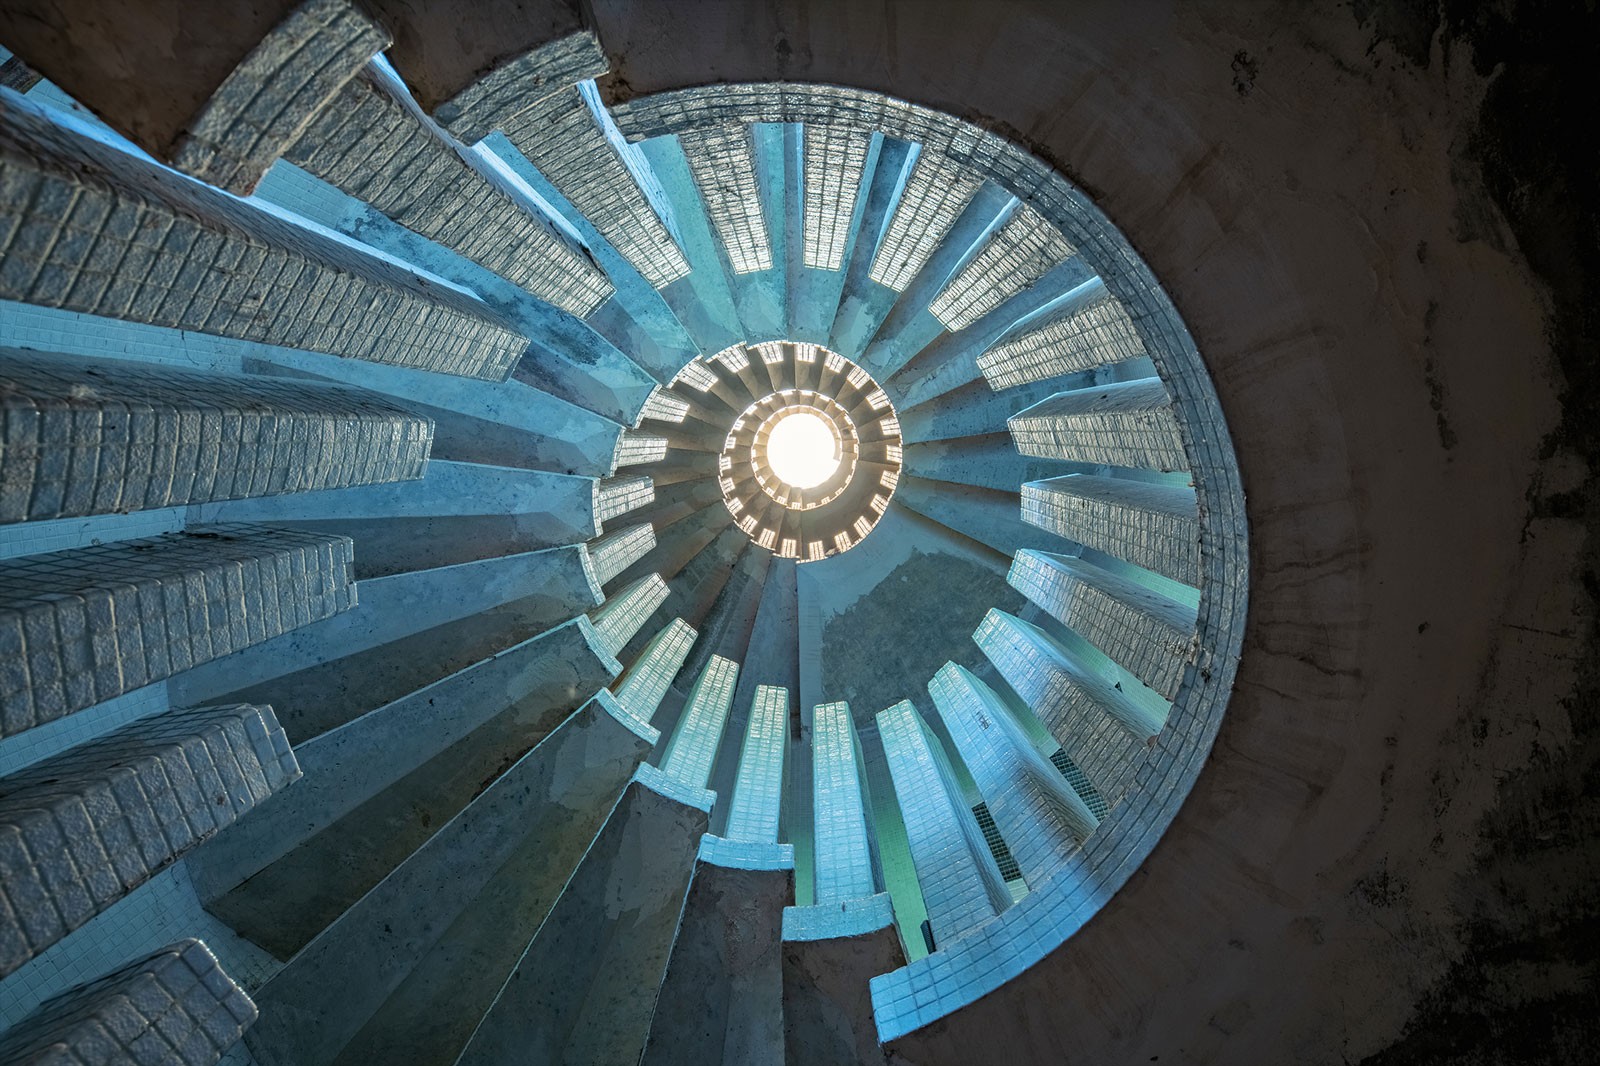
802	450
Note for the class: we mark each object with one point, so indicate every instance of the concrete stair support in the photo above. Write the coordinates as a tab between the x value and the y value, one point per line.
176	1007
1151	636
988	516
249	82
1021	252
493	603
373	147
285	905
690	553
430	1016
721	1001
1092	333
406	970
1153	526
961	886
1129	423
83	438
534	684
457	513
1040	817
831	952
586	988
79	627
1102	730
989	462
504	423
82	829
87	227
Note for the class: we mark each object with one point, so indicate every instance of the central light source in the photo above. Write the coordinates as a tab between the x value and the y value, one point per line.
803	450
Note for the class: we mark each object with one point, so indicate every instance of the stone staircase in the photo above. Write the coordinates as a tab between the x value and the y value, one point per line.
384	600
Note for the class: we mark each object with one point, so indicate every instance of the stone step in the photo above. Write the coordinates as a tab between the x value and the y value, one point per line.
722	160
1150	635
941	221
83	828
1088	333
369	144
176	1006
840	837
721	1000
690	753
1021	251
961	886
85	438
245	89
755	805
950	361
1129	424
1101	726
1150	525
564	139
837	171
620	549
863	302
639	691
626	611
1040	818
220	266
420	956
79	627
586	987
768	655
617	496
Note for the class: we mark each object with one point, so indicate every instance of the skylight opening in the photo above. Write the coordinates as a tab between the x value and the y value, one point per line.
803	450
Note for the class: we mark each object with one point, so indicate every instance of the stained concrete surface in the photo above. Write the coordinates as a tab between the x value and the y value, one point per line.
722	997
1379	223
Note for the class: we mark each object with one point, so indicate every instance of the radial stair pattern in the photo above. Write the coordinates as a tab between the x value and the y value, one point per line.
417	640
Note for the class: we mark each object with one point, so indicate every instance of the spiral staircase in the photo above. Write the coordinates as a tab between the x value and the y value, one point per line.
411	654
